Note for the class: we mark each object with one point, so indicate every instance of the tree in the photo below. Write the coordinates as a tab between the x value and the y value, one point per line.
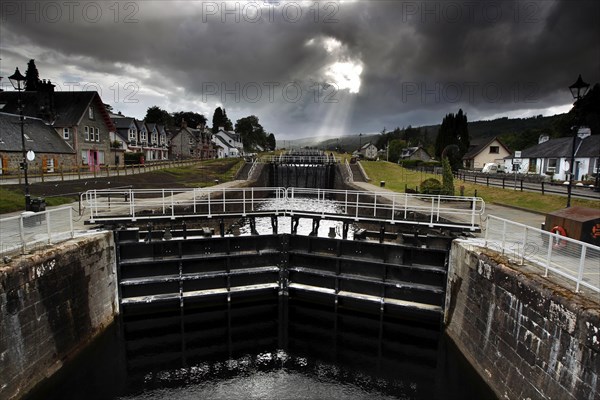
157	115
32	76
395	150
220	120
271	143
453	131
191	118
252	132
447	178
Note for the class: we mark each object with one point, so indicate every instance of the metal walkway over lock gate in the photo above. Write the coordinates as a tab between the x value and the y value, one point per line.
434	211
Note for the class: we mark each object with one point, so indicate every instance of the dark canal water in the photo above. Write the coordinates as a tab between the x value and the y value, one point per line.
249	350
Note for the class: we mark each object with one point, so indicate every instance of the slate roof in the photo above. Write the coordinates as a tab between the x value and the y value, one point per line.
478	148
69	107
562	147
43	138
223	143
122	123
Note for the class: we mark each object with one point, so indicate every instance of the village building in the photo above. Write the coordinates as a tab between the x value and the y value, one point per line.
485	152
51	151
552	157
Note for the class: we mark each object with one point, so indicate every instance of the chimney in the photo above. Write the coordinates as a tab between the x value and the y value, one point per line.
543	138
222	128
45	91
584	132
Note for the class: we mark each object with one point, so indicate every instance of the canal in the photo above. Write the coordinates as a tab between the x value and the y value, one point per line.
205	355
247	349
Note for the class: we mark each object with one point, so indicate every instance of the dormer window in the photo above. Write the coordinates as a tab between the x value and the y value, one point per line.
66	133
91	112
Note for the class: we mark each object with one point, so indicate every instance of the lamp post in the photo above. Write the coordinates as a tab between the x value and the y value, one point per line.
578	90
18	82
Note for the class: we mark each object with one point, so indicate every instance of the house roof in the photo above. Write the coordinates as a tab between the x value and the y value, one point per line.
232	135
409	151
42	138
562	147
364	146
223	143
69	107
478	148
123	122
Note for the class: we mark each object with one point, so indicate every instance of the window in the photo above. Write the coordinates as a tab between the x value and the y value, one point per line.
143	136
91	112
132	134
154	137
66	133
84	157
86	133
97	134
533	165
551	167
101	157
494	149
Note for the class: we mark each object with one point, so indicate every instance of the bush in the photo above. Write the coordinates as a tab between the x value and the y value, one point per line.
431	186
133	158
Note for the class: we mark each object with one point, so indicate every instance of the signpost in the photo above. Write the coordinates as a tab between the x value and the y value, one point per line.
516	165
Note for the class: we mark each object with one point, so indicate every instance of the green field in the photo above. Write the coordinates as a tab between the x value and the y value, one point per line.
397	179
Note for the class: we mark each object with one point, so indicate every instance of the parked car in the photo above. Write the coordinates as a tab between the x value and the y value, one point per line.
493	168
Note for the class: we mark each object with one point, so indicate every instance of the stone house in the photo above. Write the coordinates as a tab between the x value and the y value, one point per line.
80	119
51	151
192	143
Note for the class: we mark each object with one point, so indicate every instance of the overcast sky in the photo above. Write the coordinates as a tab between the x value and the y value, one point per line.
309	68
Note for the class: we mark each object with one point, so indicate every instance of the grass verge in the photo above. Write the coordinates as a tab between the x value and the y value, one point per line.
397	179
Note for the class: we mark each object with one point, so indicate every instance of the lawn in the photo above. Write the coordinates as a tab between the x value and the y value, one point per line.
397	179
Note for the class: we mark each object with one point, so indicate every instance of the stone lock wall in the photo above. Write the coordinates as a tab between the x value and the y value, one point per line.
528	338
52	303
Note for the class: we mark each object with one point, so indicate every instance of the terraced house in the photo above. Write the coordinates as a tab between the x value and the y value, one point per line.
141	137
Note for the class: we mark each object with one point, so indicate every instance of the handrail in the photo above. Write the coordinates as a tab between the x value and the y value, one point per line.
430	210
24	232
551	252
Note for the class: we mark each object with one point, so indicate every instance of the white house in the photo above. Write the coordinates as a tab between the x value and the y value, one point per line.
230	142
552	157
487	151
368	151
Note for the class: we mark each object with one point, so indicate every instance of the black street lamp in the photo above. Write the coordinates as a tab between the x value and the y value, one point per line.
578	90
18	82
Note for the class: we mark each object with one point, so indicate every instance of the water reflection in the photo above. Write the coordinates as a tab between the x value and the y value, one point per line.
305	225
252	350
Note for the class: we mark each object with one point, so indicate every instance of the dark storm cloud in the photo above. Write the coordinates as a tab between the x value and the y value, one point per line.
420	59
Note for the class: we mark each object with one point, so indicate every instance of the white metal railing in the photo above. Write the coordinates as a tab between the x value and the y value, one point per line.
301	159
433	210
28	230
572	259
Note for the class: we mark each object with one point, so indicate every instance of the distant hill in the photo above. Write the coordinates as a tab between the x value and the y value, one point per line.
516	133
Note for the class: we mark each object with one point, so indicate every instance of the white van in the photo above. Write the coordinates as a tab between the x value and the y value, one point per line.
493	168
